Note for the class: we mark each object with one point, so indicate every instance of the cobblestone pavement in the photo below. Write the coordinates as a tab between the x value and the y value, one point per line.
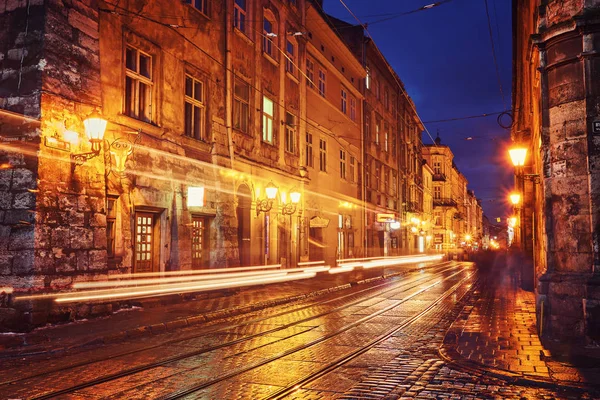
407	364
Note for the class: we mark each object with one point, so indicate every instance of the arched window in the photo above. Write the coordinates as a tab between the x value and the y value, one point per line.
291	52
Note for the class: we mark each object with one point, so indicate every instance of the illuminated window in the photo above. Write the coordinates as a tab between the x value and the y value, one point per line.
138	84
145	242
368	79
200	247
322	155
200	5
377	130
309	150
437	192
268	118
239	15
241	105
194	108
367	128
352	108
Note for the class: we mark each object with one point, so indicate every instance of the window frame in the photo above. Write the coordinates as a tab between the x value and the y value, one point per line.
344	100
322	155
322	82
291	140
204	10
240	14
239	102
310	73
195	103
268	121
269	46
132	107
343	164
290	59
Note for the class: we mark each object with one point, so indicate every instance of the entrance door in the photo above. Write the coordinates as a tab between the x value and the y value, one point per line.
200	243
316	244
145	243
243	217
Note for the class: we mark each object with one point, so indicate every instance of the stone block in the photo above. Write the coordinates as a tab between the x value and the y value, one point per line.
60	237
98	260
73	218
84	24
43	237
84	203
21	238
81	238
4	237
67	202
44	262
5	263
23	262
68	263
47	199
23	179
62	282
100	238
24	201
5	179
83	260
6	200
98	220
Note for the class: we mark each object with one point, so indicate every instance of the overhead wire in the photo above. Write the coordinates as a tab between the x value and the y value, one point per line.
487	12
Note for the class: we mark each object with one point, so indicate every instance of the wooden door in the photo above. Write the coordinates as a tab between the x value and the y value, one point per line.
200	244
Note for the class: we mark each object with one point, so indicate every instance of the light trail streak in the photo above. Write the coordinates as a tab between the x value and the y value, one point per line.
193	272
161	289
7	290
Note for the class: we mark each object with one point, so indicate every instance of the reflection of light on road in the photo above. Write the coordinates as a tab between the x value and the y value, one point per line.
375	262
339	270
162	289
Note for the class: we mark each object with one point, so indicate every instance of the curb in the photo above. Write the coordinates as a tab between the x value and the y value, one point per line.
455	361
149	330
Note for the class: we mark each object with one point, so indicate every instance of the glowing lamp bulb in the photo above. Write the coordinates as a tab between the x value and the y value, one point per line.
515	198
295	196
271	191
517	156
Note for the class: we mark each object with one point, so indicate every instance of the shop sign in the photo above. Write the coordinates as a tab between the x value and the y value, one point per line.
318	222
386	217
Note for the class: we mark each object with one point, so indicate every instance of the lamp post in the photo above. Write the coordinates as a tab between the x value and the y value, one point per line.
265	205
289	208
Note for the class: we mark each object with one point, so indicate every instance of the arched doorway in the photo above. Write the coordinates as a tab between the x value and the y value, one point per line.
244	198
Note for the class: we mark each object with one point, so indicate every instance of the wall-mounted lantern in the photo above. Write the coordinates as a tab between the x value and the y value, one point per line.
290	208
265	205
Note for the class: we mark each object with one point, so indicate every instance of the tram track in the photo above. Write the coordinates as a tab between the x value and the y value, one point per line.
336	364
444	266
377	292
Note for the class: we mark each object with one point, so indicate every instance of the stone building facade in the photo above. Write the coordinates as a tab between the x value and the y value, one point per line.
556	103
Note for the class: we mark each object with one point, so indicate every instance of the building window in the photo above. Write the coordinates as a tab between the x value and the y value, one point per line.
290	133
322	82
352	169
386	98
310	73
322	155
377	89
194	108
437	167
268	118
377	130
200	5
386	137
241	105
386	180
394	145
290	61
111	226
239	15
293	3
344	102
352	108
437	192
342	164
138	84
368	79
268	35
367	128
309	150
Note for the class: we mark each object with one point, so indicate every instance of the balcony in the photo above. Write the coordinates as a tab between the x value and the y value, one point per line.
439	177
444	202
411	206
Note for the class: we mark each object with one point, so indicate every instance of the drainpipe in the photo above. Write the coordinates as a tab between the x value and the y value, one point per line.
228	81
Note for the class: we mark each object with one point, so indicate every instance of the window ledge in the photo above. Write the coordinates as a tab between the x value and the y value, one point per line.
137	124
197	143
292	77
243	35
270	59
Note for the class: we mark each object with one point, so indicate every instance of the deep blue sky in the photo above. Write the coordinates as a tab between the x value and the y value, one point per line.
444	57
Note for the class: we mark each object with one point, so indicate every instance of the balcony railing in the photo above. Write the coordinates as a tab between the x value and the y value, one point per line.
444	202
412	206
439	177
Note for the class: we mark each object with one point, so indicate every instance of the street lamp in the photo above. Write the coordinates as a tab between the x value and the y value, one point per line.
290	208
518	155
515	198
265	205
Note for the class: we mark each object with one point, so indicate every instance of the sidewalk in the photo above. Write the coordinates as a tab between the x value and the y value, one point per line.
156	315
496	333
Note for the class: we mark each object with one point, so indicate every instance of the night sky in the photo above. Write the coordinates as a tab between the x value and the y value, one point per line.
444	57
